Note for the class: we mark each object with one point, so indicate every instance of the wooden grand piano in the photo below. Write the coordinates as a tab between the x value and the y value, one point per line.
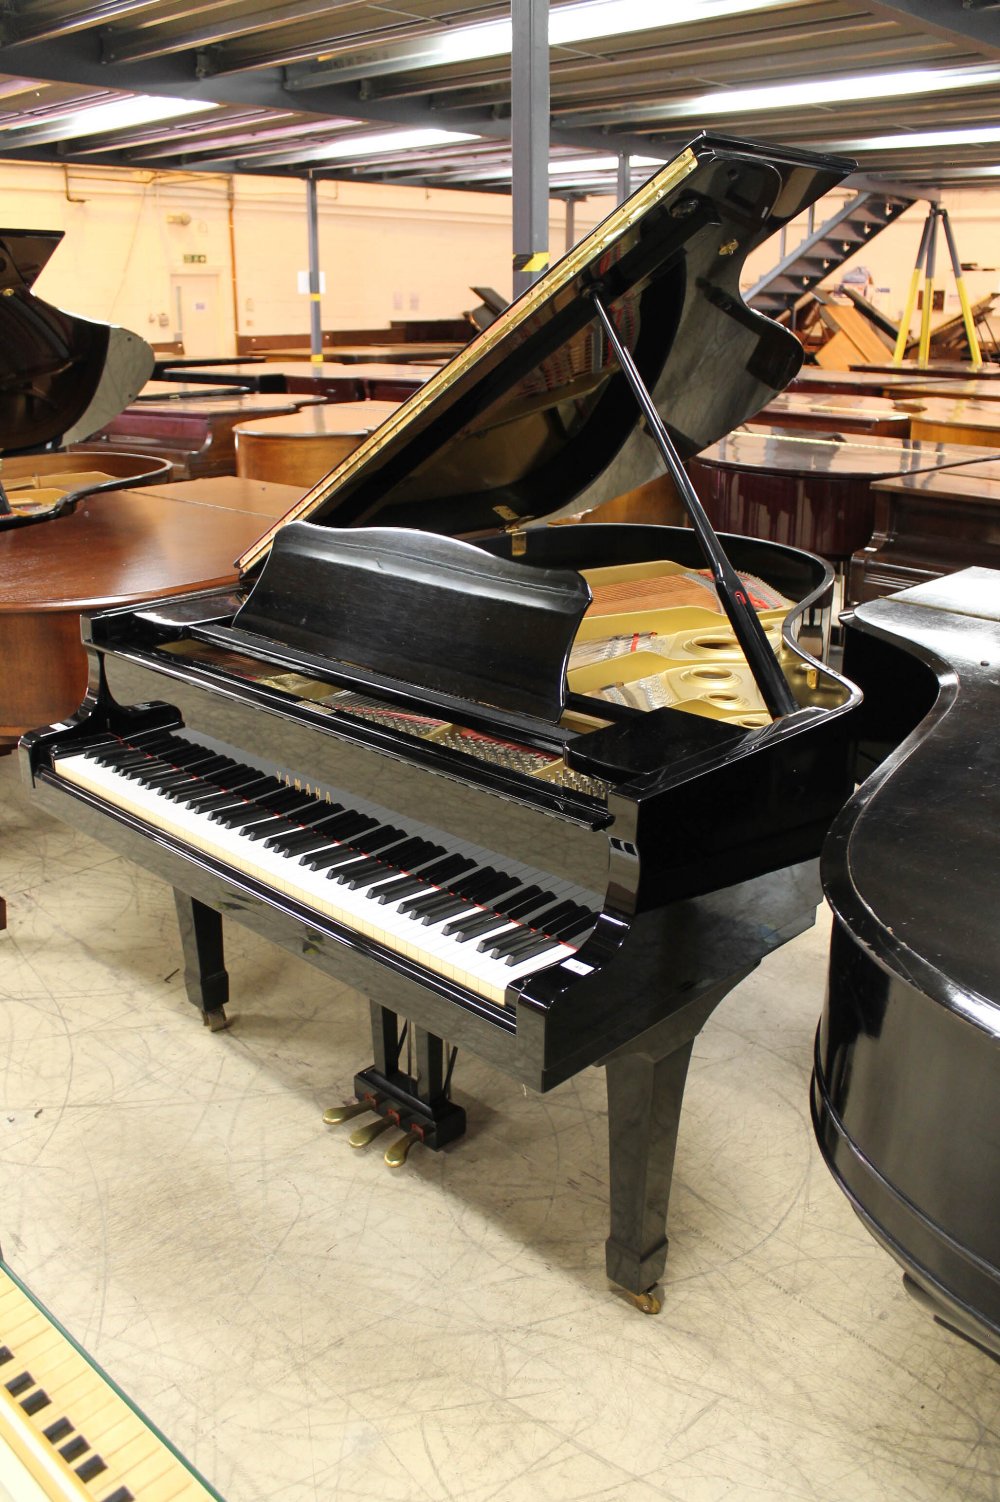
514	782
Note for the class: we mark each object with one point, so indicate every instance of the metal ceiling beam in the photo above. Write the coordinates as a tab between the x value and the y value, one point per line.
958	21
78	59
139	46
16	24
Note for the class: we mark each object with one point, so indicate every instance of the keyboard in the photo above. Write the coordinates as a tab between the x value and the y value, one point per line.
65	1431
478	920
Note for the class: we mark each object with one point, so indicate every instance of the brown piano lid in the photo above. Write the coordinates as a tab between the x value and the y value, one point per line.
836	459
534	417
62	377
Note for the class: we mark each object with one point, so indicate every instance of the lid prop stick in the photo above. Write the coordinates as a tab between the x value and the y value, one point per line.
735	601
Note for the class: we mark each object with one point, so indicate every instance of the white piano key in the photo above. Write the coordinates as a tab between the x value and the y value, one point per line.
455	959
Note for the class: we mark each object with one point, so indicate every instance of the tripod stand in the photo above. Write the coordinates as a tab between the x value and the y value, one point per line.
925	262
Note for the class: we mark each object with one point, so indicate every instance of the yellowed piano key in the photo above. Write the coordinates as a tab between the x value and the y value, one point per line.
135	1456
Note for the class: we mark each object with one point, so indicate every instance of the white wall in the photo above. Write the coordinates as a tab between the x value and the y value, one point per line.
387	252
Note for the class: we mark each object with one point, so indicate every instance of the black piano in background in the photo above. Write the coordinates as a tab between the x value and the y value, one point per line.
369	751
62	377
906	1082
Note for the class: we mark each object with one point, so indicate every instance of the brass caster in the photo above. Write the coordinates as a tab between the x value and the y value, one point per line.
216	1021
361	1136
337	1115
398	1152
646	1303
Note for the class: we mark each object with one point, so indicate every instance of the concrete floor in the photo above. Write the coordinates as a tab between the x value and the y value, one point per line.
305	1324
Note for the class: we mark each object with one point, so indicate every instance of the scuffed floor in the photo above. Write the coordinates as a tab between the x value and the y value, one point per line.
308	1326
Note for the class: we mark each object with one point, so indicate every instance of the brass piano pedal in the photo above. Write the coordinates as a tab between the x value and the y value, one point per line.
216	1020
337	1115
361	1136
397	1152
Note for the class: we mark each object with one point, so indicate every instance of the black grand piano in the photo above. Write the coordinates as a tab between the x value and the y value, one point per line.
62	377
409	747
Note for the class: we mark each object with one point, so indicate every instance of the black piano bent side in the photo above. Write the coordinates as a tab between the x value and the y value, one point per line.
369	751
907	1070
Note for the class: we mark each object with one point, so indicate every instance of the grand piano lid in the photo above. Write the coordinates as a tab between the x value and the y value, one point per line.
533	417
62	377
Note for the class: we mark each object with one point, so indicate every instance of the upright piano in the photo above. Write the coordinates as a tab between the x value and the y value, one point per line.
513	782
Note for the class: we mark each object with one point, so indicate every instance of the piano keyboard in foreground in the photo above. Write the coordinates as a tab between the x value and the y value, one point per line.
451	908
69	1433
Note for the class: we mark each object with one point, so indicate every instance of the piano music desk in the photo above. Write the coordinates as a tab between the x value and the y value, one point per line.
333	381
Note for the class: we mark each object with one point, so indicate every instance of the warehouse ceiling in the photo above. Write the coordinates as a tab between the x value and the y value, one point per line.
418	91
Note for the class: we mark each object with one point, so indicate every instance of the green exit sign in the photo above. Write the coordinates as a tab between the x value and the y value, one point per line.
195	260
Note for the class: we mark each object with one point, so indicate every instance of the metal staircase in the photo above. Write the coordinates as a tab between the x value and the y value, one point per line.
874	206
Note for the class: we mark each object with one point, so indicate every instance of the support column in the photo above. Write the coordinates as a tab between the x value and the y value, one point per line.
624	176
570	224
315	319
530	140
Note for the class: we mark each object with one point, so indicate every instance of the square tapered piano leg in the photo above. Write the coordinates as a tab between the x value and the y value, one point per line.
205	974
645	1081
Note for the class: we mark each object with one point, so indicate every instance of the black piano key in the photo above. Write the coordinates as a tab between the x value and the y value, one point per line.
265	828
473	924
336	855
91	1467
359	873
57	1431
6	1354
523	903
121	1494
414	853
385	837
221	799
534	944
120	761
403	886
36	1401
552	915
495	944
446	868
503	944
321	815
253	791
297	841
162	781
204	793
19	1384
74	1448
566	931
449	907
244	813
348	825
495	888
